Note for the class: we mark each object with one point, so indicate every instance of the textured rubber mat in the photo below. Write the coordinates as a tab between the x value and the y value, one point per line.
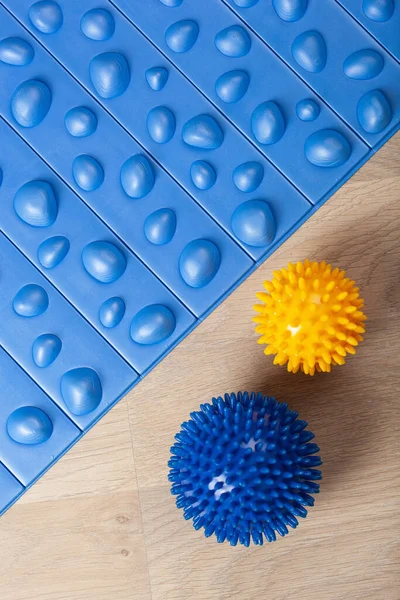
152	154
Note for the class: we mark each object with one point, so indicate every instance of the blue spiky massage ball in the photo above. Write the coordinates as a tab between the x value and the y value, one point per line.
242	468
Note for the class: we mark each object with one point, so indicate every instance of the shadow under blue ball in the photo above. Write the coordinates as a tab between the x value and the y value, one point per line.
242	468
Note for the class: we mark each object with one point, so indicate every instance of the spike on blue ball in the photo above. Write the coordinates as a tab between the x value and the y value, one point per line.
242	468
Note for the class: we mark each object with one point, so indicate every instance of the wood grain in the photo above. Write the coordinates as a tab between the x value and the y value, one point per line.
101	525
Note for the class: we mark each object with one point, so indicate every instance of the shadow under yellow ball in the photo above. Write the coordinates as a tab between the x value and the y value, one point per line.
310	317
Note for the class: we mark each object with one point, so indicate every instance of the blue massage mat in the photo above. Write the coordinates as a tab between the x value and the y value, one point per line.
152	154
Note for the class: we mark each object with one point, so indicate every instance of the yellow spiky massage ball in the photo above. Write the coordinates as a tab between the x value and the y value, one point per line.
310	317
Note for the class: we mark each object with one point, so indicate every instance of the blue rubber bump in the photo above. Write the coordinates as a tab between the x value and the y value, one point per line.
242	468
103	261
16	51
181	36
30	103
161	124
80	122
171	3
288	10
199	263
110	74
374	112
46	16
245	3
157	77
137	176
81	390
268	123
378	10
309	51
45	349
203	174
232	86
254	223
112	312
363	64
87	172
307	110
29	425
248	176
31	301
152	325
233	41
98	24
52	251
35	203
203	132
327	148
160	226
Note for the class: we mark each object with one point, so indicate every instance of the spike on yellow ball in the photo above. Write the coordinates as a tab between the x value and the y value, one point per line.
310	317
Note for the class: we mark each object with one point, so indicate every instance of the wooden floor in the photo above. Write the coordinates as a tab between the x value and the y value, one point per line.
102	525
